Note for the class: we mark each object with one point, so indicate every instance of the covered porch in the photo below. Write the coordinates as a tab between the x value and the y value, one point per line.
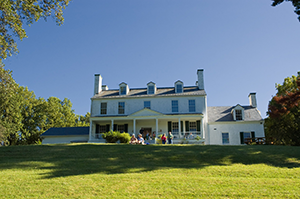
150	124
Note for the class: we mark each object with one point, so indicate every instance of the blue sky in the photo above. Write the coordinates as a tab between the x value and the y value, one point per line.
243	46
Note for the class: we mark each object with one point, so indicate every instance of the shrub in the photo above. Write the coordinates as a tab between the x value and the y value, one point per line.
111	136
124	138
114	136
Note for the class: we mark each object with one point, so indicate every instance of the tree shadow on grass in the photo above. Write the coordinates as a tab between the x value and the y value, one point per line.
70	160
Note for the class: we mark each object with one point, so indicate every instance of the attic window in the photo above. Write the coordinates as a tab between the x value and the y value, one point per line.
123	90
179	88
238	115
150	89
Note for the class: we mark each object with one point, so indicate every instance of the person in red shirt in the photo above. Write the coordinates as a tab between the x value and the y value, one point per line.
163	139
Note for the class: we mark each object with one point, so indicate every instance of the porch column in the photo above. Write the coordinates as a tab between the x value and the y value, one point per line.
156	132
156	126
179	127
90	132
112	125
183	128
202	128
134	123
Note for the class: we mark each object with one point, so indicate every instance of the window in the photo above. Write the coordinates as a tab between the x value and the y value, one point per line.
123	90
147	104
121	108
193	126
192	106
121	128
150	89
175	127
179	88
174	106
102	128
103	108
247	135
225	138
238	115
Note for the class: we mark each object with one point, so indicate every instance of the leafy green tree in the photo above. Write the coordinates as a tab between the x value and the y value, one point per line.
14	13
10	106
296	4
33	117
283	123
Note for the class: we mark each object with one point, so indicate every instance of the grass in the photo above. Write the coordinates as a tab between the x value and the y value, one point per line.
155	171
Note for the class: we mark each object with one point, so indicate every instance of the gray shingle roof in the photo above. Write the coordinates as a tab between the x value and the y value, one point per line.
223	114
142	92
67	131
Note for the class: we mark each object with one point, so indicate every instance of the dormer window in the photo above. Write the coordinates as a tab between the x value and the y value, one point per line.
178	86
124	89
151	88
238	113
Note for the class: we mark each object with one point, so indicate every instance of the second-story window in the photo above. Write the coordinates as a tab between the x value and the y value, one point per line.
174	106
147	104
150	89
103	108
121	109
192	106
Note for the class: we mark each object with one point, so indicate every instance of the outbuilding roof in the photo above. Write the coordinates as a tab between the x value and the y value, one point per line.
142	92
223	113
63	131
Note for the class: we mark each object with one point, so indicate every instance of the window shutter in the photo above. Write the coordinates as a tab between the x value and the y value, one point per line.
97	128
181	124
253	136
242	137
198	125
107	127
115	127
169	126
187	126
126	128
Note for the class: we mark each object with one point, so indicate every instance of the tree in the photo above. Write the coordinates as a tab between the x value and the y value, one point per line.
10	106
296	4
283	123
14	13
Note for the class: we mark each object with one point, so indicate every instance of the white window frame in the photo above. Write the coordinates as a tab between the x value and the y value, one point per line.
192	109
175	127
145	104
193	126
223	134
121	109
102	109
173	106
179	83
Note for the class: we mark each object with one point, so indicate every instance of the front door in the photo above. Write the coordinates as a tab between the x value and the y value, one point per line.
147	131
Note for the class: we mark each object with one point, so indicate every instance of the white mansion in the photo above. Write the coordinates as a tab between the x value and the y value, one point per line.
180	109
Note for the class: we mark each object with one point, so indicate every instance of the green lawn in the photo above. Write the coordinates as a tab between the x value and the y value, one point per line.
155	171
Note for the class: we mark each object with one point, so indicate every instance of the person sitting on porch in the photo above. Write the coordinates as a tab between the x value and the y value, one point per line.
140	139
163	139
133	140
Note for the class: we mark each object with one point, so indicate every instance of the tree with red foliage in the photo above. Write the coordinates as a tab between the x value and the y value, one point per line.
283	123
